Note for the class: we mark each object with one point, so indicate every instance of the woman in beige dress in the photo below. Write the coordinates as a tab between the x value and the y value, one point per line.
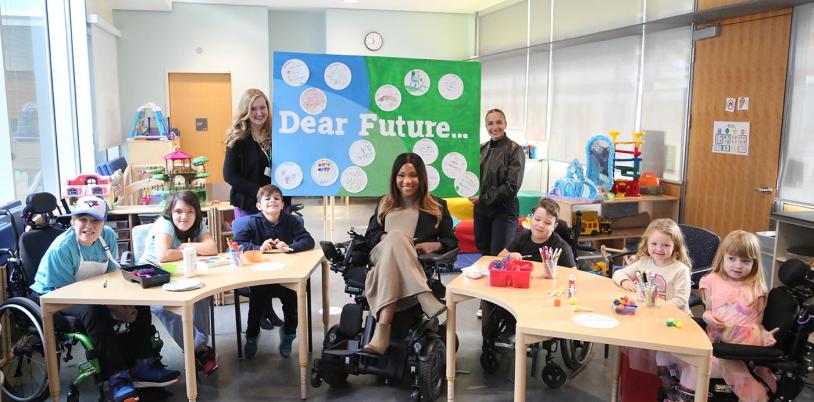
407	222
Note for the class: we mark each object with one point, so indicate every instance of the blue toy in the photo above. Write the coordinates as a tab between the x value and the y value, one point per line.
142	124
574	184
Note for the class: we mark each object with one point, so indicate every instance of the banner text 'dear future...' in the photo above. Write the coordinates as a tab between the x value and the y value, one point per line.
290	123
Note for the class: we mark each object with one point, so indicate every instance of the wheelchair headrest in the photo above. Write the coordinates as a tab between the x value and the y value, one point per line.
794	272
41	203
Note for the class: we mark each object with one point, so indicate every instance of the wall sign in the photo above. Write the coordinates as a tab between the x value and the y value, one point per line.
731	137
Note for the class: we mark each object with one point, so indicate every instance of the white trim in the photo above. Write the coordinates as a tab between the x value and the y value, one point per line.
6	167
103	24
62	86
84	99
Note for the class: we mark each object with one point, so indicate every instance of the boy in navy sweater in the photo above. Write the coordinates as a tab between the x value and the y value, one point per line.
267	230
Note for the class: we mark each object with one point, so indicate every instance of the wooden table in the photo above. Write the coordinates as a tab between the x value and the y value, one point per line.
538	320
298	268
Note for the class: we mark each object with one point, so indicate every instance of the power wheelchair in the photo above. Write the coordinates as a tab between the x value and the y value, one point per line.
499	330
23	360
417	350
791	309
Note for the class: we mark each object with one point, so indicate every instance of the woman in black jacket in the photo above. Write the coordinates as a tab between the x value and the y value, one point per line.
407	222
501	172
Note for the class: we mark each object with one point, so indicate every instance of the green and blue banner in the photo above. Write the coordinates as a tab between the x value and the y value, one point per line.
339	121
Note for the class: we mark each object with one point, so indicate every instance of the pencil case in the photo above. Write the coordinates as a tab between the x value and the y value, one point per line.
147	275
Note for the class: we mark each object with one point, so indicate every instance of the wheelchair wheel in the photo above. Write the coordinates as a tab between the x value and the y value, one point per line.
432	372
23	365
442	331
575	354
554	376
489	362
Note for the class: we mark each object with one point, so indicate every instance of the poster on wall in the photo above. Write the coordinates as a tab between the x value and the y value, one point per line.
338	122
730	137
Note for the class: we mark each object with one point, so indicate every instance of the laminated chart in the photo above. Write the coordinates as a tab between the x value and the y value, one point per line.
339	121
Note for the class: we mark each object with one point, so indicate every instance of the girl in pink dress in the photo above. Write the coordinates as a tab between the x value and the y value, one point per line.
735	295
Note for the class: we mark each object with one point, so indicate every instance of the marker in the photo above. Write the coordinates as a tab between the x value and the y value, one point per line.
104	284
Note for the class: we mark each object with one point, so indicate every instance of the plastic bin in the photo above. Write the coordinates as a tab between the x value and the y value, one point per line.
158	277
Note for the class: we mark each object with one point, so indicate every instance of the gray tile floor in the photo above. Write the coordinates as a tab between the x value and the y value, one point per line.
270	377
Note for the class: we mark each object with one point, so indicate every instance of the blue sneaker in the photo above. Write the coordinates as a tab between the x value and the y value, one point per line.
122	388
285	342
250	348
150	372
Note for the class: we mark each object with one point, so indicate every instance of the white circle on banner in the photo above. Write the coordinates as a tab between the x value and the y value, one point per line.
417	82
313	101
288	175
354	179
433	178
453	164
466	185
362	152
338	76
324	172
295	72
427	150
450	87
388	98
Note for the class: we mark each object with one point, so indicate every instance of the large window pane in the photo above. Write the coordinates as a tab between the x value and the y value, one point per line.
665	88
540	21
503	29
27	82
593	92
503	86
537	95
797	175
574	18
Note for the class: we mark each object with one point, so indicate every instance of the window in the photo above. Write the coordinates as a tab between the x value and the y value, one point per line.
27	113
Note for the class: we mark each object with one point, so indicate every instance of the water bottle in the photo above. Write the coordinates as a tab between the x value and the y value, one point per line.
190	261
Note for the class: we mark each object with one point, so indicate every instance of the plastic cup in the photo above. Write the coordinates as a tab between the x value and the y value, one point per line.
641	293
549	270
651	293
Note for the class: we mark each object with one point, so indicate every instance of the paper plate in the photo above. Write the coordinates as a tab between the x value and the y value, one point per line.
182	285
475	272
593	320
268	266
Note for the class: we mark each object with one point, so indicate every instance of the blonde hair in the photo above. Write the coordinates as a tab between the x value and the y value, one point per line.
241	128
393	200
742	244
670	229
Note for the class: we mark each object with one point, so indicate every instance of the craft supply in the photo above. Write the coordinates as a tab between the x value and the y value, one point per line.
104	284
623	305
674	323
581	309
572	286
557	302
190	260
573	301
234	255
651	292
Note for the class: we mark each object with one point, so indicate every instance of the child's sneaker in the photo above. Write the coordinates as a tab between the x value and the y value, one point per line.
122	388
206	360
250	348
150	372
285	342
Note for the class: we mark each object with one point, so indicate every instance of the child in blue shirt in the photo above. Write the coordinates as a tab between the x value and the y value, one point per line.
180	226
86	250
267	230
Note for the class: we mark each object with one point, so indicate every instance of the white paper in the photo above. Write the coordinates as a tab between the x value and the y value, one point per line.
593	320
731	137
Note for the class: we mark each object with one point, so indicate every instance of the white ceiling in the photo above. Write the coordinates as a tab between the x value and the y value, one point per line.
436	6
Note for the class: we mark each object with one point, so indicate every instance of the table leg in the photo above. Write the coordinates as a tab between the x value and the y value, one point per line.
520	367
615	361
326	305
51	349
302	327
451	321
702	365
189	347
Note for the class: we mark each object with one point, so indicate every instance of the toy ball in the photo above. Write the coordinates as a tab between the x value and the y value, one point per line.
572	300
557	302
678	325
674	323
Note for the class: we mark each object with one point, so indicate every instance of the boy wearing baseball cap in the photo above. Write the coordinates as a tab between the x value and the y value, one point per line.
86	250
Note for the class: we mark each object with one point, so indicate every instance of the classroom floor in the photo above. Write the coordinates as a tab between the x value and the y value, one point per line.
270	377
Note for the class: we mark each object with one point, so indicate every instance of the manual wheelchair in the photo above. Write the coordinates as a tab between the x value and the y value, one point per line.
417	350
23	360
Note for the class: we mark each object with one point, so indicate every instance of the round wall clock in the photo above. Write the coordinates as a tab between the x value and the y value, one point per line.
373	41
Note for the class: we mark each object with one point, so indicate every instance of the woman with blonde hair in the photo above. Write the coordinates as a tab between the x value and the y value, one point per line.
247	165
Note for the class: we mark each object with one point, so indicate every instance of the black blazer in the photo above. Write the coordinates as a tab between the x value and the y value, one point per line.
425	230
244	169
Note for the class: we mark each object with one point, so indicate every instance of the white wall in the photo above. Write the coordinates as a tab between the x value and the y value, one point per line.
406	34
295	31
230	39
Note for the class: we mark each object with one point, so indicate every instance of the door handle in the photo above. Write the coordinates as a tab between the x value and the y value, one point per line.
764	189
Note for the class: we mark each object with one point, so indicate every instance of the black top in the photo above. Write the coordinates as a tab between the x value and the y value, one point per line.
523	244
425	230
244	169
252	230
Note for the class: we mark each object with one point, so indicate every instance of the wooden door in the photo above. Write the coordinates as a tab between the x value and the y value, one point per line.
748	59
201	108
